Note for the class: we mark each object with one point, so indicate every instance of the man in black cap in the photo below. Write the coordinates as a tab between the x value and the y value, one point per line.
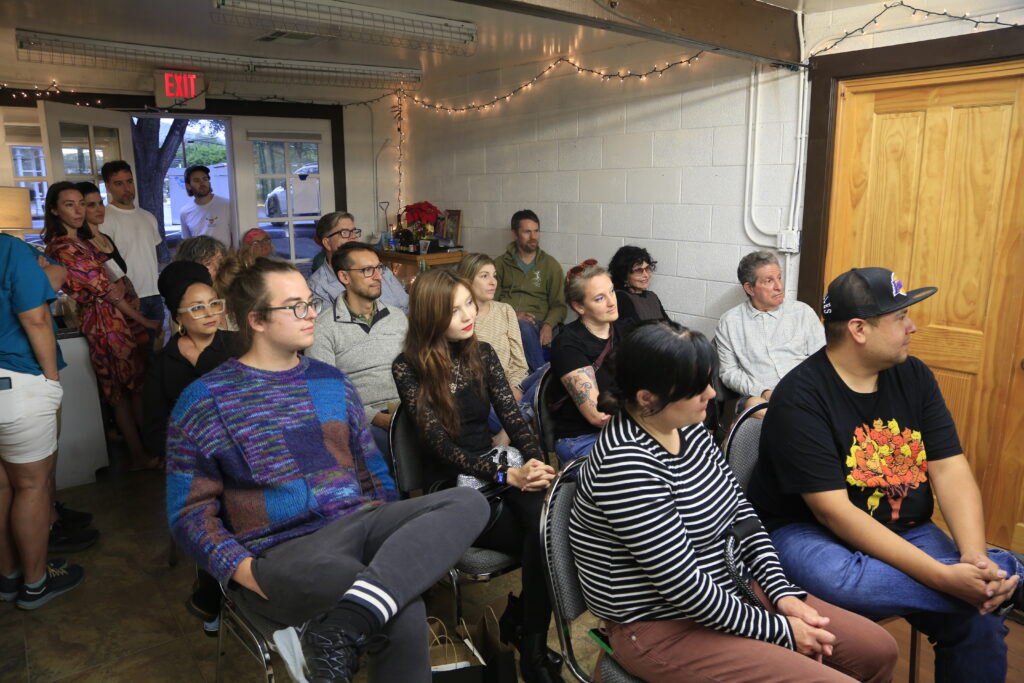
857	441
208	214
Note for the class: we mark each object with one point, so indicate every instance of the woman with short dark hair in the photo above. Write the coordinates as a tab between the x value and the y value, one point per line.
631	269
650	529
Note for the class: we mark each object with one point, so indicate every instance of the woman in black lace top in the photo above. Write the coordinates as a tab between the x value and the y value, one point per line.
449	380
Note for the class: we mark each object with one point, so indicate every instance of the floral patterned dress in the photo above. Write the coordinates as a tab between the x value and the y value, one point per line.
117	345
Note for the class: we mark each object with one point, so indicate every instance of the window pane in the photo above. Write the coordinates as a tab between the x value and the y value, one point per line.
36	197
303	157
269	157
28	161
305	196
305	246
271	197
107	143
74	142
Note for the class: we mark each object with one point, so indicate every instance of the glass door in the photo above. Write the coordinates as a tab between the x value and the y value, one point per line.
284	181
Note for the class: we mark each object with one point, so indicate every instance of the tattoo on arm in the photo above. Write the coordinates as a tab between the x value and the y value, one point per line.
581	386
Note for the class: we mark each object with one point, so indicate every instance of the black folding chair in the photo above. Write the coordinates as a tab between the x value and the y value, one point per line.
477	564
566	595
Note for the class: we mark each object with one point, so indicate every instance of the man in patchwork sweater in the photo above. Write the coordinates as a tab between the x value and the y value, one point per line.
275	486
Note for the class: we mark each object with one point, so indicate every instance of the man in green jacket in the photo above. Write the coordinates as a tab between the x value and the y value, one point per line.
531	281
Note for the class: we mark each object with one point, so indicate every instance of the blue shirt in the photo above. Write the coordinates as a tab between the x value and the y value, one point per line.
23	286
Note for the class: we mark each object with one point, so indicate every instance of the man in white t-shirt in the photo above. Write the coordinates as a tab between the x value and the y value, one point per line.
208	214
136	234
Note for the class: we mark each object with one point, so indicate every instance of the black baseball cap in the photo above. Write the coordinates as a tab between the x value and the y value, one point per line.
192	169
884	295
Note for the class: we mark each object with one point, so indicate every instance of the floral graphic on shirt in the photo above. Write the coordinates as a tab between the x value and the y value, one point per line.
891	461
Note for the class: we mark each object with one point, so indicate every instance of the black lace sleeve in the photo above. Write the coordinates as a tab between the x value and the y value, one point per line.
507	408
437	439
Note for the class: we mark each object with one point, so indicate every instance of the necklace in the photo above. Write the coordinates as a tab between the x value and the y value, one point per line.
457	367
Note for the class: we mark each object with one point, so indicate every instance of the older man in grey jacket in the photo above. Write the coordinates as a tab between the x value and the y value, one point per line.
362	335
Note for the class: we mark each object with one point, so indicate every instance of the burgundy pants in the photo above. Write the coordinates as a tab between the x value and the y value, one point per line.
683	650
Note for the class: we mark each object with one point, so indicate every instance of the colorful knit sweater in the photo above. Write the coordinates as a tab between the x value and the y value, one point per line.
255	458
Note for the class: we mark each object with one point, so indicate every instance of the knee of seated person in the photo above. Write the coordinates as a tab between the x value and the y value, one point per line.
472	502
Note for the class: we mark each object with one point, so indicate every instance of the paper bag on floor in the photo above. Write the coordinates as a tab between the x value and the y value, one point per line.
499	658
453	658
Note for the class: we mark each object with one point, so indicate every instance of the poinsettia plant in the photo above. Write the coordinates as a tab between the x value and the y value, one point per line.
421	212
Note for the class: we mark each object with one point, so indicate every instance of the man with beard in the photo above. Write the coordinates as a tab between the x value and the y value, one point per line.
531	281
208	214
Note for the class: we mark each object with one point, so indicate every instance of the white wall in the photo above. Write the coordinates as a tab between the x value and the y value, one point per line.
659	163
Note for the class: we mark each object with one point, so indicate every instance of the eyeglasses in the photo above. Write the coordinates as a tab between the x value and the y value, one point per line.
577	270
346	233
301	309
200	311
640	270
368	271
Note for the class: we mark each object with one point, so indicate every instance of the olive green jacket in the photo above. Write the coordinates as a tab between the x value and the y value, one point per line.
540	291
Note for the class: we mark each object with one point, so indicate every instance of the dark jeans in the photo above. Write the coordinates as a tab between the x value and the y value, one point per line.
402	547
532	349
152	307
968	646
517	532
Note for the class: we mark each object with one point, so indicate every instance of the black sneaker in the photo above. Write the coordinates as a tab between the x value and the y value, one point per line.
332	654
72	519
59	580
66	540
9	587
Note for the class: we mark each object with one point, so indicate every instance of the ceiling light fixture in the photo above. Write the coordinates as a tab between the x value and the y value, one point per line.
49	48
338	19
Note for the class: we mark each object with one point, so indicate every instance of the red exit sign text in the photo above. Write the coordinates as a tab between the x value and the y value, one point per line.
180	88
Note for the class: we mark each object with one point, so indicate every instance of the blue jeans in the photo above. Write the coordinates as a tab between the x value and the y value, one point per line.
968	646
152	307
573	447
532	349
529	387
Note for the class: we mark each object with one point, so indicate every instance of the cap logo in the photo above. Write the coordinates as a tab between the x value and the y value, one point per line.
826	305
897	285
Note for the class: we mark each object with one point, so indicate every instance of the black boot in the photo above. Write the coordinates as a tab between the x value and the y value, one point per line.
510	630
534	663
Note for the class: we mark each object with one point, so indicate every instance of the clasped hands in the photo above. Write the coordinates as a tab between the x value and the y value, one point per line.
978	581
809	634
534	475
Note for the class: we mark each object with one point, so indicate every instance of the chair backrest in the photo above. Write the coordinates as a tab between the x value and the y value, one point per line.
545	419
743	443
566	595
406	458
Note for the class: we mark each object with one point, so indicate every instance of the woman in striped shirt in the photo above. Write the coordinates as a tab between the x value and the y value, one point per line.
653	508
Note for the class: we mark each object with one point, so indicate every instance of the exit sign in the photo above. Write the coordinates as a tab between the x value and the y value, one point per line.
185	89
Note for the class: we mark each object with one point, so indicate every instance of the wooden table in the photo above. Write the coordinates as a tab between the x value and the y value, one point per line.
405	266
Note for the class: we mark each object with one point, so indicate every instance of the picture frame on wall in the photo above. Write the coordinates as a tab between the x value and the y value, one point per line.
453	225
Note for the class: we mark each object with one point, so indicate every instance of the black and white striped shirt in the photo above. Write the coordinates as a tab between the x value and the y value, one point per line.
648	528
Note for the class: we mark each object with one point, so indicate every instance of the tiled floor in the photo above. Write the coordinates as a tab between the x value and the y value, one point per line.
127	621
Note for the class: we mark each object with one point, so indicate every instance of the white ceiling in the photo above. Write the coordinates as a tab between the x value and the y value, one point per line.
504	38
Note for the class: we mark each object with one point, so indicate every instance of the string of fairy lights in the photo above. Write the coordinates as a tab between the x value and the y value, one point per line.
403	98
914	12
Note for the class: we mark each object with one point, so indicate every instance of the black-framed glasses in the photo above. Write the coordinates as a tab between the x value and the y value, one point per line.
200	311
301	309
640	270
346	233
368	271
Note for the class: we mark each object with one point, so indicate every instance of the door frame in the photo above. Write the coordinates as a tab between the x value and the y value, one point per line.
825	74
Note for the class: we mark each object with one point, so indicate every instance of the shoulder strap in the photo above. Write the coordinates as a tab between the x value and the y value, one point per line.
596	365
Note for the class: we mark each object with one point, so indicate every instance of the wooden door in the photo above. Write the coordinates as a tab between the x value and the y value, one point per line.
928	182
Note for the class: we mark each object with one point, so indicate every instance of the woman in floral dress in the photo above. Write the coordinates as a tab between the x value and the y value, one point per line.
110	320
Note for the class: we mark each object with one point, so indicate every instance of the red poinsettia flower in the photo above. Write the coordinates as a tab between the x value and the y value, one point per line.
421	212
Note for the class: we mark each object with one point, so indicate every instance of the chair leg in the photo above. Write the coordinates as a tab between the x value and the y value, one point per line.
220	651
453	575
914	653
172	552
